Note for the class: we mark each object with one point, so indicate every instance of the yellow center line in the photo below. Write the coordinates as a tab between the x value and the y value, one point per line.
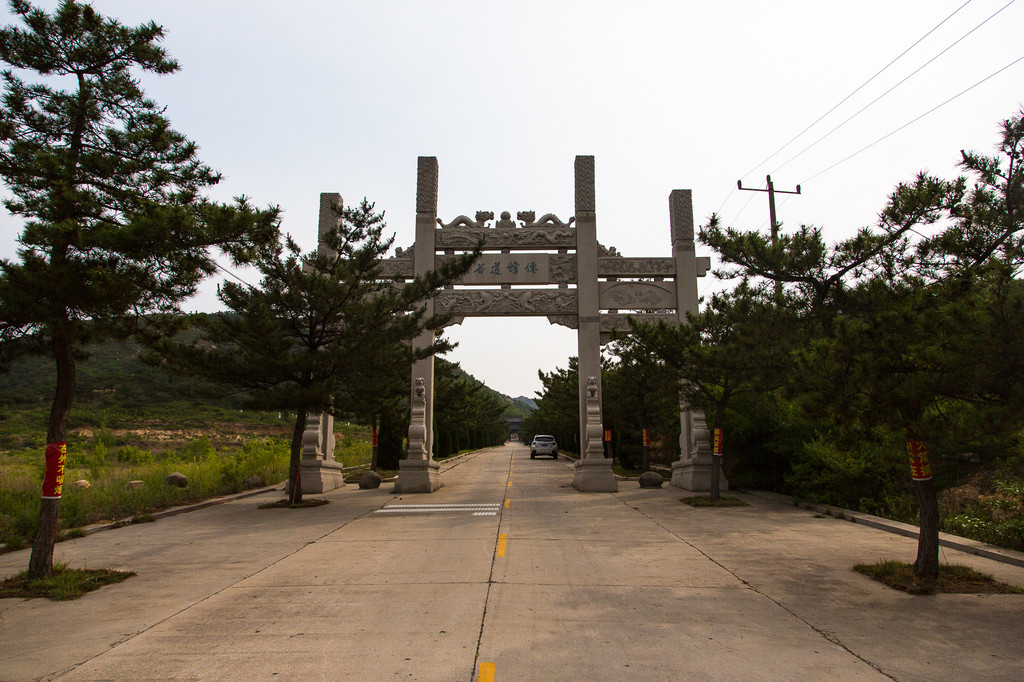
510	484
508	502
501	545
486	673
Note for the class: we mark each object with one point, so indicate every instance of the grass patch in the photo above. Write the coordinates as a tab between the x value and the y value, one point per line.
952	579
705	501
63	584
210	472
283	504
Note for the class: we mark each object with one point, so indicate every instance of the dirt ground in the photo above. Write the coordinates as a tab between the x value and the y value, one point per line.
157	436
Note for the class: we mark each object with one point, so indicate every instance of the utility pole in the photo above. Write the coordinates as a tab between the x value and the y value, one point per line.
771	214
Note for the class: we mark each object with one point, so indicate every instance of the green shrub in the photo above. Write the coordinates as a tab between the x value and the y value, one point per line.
196	450
130	454
873	475
266	458
104	436
998	519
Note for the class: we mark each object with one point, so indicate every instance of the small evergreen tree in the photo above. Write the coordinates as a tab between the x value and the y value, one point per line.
308	338
739	343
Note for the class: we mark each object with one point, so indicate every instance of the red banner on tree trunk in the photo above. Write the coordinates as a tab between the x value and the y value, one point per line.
53	479
920	467
717	443
647	437
374	438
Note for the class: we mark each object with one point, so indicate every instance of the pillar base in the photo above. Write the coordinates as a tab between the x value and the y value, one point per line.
594	475
319	476
694	475
418	476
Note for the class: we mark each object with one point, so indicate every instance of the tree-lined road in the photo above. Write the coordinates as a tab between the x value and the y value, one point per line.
506	573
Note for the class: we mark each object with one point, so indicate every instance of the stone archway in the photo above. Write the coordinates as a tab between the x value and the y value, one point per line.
555	269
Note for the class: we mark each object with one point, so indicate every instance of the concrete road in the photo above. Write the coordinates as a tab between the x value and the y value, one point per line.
506	573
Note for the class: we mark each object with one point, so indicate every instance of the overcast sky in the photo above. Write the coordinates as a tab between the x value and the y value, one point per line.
292	99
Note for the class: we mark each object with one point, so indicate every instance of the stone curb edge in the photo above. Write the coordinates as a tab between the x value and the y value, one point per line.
174	511
1006	556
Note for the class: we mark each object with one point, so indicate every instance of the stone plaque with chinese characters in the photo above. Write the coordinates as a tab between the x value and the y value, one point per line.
509	268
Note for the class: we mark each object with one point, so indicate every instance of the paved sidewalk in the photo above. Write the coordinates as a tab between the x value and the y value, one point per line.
506	573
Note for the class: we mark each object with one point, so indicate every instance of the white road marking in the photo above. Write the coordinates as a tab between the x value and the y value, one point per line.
481	509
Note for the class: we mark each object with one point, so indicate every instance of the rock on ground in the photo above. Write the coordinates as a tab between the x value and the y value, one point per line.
177	479
370	479
651	479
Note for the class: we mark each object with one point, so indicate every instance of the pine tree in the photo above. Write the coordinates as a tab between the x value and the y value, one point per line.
310	336
740	343
115	226
915	327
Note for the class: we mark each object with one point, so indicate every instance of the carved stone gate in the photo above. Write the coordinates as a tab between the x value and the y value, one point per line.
540	267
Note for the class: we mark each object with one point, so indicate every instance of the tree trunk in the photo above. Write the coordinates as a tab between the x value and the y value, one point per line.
716	460
927	563
645	463
375	436
294	479
40	564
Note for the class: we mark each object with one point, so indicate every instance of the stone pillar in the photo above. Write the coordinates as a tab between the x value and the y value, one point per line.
593	470
318	471
419	473
692	471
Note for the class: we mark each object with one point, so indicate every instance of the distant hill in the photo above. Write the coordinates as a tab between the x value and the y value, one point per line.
111	375
114	376
529	403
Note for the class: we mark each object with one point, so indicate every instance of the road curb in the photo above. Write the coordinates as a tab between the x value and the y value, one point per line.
1001	554
174	511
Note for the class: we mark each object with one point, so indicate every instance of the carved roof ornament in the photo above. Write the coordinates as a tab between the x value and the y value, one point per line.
463	221
608	251
420	388
527	218
506	222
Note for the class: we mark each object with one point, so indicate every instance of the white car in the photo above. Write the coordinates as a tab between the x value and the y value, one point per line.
544	445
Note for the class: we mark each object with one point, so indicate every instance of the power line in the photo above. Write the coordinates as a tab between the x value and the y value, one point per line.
737	216
908	77
855	91
228	272
911	122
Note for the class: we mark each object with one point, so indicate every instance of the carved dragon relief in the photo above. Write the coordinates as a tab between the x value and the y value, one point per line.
527	218
562	268
482	217
397	267
637	295
505	302
469	237
548	232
